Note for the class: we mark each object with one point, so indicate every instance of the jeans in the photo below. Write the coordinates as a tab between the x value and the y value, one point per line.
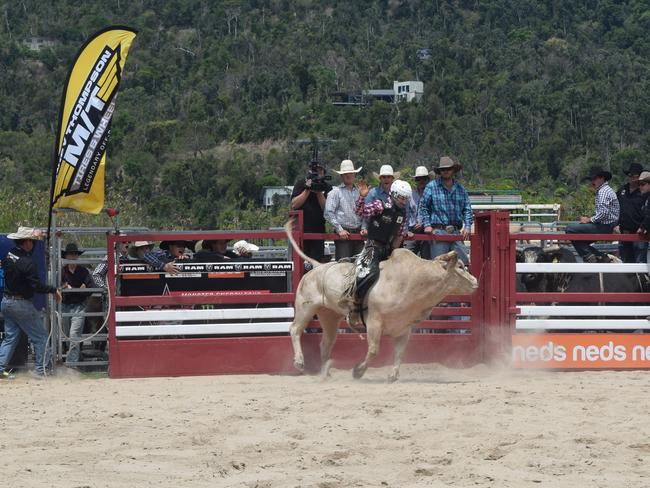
419	248
584	248
438	248
21	314
633	252
347	249
73	328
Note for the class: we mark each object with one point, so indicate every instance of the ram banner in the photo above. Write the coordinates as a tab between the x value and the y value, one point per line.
87	108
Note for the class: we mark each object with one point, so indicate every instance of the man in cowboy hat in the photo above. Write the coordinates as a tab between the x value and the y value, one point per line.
644	228
73	305
312	203
340	211
422	178
216	250
445	209
604	219
21	282
165	258
631	201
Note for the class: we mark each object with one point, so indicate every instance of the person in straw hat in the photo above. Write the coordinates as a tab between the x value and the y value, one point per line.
445	209
340	211
422	177
21	282
644	228
386	177
603	221
631	200
74	277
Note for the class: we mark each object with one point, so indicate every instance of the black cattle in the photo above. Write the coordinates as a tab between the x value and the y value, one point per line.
576	282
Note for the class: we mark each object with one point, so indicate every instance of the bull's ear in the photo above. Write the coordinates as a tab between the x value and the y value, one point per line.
449	260
553	254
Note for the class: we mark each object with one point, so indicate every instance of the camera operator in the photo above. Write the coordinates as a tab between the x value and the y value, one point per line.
309	195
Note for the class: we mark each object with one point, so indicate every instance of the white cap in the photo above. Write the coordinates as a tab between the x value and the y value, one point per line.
243	247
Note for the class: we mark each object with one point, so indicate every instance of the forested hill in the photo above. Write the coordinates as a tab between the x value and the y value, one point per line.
525	94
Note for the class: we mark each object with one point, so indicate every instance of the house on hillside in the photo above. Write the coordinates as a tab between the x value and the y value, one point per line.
402	91
275	194
37	43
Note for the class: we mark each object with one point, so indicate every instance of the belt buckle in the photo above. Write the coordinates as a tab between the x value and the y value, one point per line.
450	229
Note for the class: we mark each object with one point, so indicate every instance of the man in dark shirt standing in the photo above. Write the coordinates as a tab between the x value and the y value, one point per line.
631	200
74	304
21	282
312	203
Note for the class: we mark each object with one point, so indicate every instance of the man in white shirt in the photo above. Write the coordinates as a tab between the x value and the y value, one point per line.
340	211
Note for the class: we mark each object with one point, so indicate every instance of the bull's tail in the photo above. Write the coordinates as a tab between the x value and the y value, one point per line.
288	228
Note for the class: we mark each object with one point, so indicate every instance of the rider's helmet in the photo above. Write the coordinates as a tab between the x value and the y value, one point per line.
400	188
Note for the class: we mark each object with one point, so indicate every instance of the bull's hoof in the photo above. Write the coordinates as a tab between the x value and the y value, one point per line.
358	371
325	370
393	377
299	365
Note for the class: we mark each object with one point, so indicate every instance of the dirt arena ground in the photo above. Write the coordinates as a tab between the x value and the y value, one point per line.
435	427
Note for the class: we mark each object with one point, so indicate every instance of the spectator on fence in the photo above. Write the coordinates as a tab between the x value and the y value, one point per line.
644	228
166	257
21	282
421	248
312	202
340	211
445	209
74	276
382	192
216	250
604	219
631	201
101	270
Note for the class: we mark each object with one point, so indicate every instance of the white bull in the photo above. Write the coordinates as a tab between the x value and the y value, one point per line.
407	289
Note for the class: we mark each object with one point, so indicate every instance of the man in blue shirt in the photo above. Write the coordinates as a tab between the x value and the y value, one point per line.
421	248
445	209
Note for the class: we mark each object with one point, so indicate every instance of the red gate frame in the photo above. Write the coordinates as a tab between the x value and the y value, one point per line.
273	354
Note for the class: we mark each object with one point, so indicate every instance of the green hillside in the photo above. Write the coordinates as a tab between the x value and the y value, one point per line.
525	94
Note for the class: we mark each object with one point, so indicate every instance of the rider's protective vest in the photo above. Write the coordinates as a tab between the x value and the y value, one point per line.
384	227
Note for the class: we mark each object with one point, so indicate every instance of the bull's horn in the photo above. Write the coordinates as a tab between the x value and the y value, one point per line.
554	248
449	259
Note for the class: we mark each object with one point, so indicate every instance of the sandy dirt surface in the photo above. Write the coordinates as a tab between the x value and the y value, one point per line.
435	427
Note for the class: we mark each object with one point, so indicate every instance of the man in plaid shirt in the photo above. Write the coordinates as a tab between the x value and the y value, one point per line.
445	209
604	219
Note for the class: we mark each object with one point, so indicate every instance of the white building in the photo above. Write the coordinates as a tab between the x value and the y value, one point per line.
275	193
407	91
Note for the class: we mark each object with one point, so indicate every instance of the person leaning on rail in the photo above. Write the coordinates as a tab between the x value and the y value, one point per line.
445	209
421	248
604	219
169	253
340	211
631	201
644	228
216	250
21	282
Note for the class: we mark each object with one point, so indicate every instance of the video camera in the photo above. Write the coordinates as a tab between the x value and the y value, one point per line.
318	182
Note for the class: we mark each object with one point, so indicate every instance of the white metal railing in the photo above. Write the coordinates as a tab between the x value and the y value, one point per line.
582	268
174	321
